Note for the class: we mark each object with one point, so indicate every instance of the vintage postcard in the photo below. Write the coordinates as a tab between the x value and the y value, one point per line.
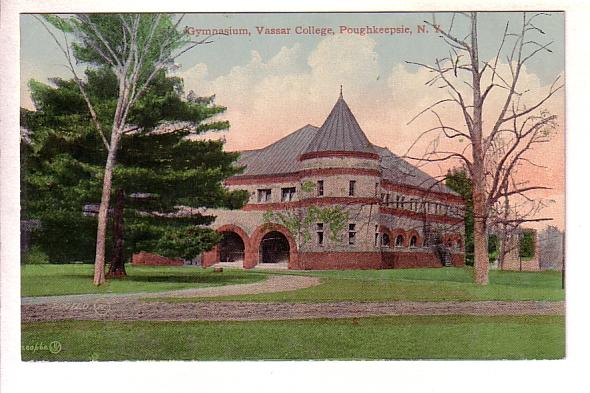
292	186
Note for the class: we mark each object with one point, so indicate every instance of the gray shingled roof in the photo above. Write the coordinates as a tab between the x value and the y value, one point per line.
279	158
282	157
397	170
340	132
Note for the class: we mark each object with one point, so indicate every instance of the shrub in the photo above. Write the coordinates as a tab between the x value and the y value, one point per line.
527	244
35	256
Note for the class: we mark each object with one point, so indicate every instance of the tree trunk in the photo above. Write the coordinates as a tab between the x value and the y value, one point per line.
480	238
117	266
101	232
480	213
502	251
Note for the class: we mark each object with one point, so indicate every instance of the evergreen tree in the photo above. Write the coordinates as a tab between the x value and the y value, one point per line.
161	167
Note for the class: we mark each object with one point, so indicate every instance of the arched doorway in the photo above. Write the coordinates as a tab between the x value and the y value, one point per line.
274	248
231	247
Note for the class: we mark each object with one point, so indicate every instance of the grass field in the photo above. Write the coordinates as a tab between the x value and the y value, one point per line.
397	337
412	284
343	285
48	280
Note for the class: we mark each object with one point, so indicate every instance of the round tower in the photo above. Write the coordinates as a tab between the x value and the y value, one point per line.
342	168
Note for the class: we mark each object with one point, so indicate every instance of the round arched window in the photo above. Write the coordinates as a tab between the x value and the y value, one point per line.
385	240
413	241
399	241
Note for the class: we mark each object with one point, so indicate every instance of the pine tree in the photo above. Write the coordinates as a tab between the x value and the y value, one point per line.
161	167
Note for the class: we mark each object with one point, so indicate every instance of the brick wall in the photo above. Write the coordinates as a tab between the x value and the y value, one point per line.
339	260
148	259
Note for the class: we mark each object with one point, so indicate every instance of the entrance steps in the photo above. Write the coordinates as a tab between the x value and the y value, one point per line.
260	266
272	266
230	265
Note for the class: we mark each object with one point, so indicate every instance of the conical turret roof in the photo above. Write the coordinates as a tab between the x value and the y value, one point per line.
340	133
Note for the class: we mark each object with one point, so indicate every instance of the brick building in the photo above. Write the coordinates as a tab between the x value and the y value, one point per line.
327	198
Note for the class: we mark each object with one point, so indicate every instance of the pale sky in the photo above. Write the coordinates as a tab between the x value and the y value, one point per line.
275	84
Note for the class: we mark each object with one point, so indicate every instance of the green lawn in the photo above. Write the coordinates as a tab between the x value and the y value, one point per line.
412	284
343	285
47	280
396	337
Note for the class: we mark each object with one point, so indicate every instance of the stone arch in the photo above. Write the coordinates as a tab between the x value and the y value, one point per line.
232	228
453	241
395	233
410	235
212	257
236	229
385	231
252	258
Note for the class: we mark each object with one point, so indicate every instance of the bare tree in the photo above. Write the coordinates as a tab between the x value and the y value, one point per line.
508	215
136	47
518	125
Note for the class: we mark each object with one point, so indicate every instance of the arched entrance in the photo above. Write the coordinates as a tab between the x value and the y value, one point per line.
274	248
231	247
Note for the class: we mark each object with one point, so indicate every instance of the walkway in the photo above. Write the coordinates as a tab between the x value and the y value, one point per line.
133	310
132	306
274	283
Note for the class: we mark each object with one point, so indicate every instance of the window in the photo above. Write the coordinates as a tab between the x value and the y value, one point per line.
387	199
397	201
399	241
351	234
376	189
287	194
320	188
383	195
351	187
385	240
413	241
264	195
376	235
320	233
403	202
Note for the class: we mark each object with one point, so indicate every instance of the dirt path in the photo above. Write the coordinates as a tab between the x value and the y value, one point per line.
132	307
131	310
274	283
